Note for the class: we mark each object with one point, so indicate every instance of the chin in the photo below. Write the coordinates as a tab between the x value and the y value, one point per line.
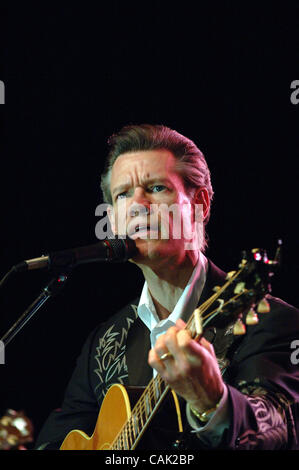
150	251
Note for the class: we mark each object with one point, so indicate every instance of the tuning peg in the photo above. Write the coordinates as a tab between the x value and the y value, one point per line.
251	317
239	288
243	262
216	288
230	275
263	306
239	328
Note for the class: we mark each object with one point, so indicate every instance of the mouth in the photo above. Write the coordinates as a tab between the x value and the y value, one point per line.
143	231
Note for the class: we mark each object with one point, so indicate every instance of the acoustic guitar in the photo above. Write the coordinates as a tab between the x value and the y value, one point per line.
120	424
122	419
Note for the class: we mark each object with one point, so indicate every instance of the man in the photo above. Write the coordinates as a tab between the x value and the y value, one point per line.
234	393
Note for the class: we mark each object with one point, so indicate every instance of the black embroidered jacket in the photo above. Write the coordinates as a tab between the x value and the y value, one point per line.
262	381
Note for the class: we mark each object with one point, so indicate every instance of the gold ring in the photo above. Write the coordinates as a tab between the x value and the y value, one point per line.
165	356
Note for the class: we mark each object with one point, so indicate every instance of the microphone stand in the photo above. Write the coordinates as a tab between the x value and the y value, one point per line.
51	289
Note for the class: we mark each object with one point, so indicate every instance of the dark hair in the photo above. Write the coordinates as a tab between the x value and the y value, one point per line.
191	164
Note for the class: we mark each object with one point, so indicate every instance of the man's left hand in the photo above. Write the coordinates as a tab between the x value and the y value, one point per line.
191	370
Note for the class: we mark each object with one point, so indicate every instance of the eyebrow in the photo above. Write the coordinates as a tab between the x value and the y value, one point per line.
120	188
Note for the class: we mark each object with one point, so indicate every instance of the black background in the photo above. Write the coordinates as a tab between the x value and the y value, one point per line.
217	72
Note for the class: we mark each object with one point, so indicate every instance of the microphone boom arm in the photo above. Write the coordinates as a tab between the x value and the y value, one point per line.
51	289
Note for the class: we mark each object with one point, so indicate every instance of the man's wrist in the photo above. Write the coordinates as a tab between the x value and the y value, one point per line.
218	421
205	415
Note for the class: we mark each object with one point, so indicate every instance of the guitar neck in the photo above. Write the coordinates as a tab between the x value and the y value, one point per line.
141	415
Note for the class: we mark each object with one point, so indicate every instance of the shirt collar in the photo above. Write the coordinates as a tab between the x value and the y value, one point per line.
186	304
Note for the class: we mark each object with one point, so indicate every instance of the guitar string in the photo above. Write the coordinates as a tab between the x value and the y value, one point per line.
140	406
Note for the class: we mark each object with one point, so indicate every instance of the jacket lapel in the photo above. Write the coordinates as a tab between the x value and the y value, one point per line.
215	277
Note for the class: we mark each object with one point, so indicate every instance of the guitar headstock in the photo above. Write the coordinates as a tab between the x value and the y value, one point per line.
15	430
243	295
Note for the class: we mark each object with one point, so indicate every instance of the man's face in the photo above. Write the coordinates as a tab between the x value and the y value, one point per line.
144	185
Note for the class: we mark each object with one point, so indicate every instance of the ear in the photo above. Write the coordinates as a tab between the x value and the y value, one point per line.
201	196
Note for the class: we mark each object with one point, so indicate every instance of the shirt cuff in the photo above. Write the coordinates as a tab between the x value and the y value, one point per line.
218	422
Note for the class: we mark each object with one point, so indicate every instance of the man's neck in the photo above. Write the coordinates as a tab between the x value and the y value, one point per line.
167	284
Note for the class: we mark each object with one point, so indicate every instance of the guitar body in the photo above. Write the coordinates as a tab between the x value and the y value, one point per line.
114	414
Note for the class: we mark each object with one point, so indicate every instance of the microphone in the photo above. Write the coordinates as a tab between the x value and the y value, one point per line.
116	250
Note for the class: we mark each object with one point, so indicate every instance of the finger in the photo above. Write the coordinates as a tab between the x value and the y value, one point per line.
208	346
165	344
165	341
183	339
155	361
171	341
192	345
180	324
191	349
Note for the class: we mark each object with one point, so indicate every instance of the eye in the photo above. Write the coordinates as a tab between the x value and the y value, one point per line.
121	195
157	188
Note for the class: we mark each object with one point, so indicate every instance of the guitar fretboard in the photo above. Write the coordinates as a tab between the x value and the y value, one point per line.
141	415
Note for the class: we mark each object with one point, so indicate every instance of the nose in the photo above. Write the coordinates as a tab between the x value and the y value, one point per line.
140	203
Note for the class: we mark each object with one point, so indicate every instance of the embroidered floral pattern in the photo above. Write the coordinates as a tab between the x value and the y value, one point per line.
110	357
269	410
